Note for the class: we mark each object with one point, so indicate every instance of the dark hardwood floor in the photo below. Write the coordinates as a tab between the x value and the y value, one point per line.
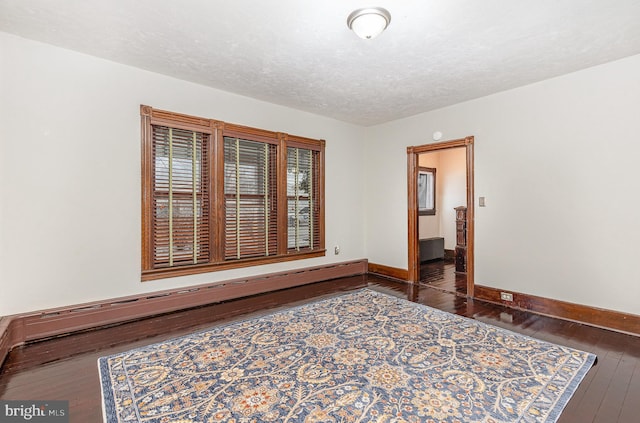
441	274
65	368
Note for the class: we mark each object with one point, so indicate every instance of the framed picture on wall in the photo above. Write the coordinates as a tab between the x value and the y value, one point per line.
426	191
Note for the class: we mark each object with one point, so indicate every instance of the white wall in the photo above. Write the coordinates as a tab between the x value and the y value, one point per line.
452	191
429	226
70	155
557	162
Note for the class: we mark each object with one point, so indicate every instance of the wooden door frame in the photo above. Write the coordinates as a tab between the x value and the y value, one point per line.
412	179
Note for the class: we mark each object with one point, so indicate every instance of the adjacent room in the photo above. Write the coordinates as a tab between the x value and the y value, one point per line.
320	211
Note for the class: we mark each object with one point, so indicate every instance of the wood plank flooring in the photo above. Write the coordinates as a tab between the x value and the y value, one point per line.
65	368
442	274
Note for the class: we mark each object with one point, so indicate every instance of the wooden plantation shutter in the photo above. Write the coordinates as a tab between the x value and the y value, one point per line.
180	197
250	176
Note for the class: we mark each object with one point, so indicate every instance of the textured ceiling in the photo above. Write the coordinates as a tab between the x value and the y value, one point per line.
300	53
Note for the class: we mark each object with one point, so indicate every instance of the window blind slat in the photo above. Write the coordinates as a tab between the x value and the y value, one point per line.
181	197
250	201
302	199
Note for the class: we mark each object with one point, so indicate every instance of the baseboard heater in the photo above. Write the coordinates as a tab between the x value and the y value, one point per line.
431	249
32	326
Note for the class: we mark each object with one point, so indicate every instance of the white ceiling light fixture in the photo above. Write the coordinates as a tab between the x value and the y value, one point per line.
369	22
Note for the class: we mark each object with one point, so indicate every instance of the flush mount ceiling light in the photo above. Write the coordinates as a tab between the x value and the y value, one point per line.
369	22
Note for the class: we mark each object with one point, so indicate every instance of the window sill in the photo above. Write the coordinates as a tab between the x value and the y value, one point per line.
148	275
427	212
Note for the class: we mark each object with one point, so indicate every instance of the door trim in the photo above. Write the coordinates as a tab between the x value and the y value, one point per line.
412	186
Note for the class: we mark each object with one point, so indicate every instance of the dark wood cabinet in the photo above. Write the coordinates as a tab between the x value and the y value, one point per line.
461	239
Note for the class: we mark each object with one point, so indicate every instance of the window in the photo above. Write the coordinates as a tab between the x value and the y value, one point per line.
250	198
180	197
302	199
219	196
426	191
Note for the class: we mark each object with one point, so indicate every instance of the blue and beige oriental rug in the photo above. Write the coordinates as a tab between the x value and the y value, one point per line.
359	357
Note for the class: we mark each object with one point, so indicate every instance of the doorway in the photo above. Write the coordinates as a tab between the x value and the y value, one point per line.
413	173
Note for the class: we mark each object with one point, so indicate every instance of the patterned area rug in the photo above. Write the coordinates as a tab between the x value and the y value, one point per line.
359	357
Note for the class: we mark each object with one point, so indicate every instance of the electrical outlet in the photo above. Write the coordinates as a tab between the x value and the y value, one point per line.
506	296
336	250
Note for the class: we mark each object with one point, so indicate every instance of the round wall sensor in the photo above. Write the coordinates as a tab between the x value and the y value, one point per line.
437	136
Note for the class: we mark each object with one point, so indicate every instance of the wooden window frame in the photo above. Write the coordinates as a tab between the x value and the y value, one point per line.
217	131
427	211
